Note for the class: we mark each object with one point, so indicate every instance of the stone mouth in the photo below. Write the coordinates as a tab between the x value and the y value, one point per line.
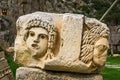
35	46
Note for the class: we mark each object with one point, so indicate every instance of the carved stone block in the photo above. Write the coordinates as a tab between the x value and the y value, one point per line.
61	42
25	73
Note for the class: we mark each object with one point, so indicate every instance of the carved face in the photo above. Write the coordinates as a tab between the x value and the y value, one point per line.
37	42
100	51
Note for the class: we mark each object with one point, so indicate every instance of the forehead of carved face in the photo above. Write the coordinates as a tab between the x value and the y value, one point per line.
37	42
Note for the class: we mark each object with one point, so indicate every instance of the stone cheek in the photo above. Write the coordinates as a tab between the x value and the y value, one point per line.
75	43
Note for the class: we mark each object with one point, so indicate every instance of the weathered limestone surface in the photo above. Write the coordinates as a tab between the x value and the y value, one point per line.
61	42
25	73
5	72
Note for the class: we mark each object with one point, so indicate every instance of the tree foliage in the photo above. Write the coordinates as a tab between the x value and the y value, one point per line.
96	8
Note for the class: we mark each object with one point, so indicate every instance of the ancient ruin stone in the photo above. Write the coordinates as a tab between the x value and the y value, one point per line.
61	42
5	72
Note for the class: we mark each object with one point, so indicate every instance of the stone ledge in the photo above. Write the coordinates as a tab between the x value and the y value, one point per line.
24	73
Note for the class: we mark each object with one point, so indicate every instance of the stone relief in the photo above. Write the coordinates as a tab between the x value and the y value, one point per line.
39	39
61	42
95	43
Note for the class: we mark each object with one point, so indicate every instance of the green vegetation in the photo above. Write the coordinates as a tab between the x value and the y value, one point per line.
112	73
113	60
96	8
11	63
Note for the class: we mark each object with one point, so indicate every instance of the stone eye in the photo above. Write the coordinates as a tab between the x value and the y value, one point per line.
32	33
43	36
102	47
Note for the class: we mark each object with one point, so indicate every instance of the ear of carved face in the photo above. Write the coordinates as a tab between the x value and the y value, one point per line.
37	42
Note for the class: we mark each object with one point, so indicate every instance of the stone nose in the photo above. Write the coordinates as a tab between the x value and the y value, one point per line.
36	40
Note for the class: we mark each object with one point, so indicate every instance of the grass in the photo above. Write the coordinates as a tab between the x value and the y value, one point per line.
113	60
11	63
112	73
